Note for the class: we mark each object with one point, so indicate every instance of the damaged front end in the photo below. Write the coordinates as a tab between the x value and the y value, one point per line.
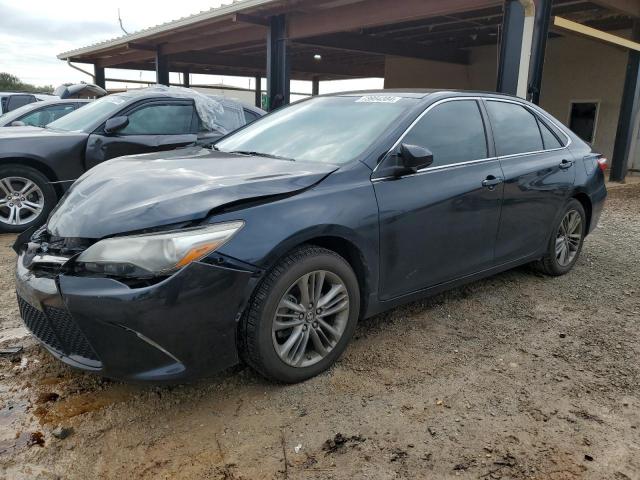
166	328
127	278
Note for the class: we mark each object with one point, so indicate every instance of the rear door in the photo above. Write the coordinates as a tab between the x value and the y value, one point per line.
539	174
153	126
440	223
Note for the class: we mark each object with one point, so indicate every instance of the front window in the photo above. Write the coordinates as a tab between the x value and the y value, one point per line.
158	119
324	129
453	131
85	118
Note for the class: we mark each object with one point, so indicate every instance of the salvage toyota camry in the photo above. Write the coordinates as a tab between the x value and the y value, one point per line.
269	246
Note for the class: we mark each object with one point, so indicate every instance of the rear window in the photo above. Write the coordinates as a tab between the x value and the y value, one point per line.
12	102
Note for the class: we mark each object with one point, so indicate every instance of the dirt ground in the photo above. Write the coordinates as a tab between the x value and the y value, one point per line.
517	376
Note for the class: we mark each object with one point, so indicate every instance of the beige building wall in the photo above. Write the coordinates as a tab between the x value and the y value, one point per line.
401	72
575	68
578	68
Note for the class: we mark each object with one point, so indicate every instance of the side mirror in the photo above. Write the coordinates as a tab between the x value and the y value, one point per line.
116	124
17	123
413	157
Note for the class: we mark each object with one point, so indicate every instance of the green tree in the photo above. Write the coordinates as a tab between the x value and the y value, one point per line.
11	83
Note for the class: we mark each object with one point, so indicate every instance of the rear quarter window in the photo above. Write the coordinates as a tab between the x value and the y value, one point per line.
549	138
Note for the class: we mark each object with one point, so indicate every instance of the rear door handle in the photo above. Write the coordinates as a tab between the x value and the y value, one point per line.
564	164
491	181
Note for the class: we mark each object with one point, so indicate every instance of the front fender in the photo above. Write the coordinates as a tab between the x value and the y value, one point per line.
341	207
309	234
59	156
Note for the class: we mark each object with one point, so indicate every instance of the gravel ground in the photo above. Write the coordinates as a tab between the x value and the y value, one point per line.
517	376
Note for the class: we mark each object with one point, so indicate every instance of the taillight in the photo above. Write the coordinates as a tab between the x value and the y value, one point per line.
602	163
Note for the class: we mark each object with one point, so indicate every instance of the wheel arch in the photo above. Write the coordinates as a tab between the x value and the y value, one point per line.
341	242
586	203
354	257
36	164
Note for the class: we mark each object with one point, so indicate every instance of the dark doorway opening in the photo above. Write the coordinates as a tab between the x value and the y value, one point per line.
583	118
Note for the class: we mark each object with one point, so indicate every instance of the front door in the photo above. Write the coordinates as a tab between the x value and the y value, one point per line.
440	223
153	126
539	175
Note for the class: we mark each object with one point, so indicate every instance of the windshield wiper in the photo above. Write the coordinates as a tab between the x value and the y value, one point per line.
261	154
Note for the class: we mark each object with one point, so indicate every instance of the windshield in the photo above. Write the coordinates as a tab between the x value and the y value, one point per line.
324	129
85	118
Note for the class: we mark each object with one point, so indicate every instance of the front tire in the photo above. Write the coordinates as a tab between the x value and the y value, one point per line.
566	241
301	317
26	198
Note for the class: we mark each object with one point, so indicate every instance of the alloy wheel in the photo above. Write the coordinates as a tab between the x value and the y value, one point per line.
568	238
21	200
310	318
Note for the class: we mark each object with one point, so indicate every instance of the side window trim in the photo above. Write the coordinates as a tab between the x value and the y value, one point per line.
488	144
539	118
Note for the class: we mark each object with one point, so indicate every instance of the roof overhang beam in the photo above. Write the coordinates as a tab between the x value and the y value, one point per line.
366	43
565	25
235	37
355	16
626	7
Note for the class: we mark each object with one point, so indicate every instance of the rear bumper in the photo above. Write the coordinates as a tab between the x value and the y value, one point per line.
181	328
598	198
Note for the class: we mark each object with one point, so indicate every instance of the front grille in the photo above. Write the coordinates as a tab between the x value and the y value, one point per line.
36	321
56	328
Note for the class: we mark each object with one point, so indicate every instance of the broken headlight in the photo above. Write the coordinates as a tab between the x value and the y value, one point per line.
155	254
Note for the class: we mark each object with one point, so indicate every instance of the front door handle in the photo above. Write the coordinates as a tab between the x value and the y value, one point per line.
564	164
491	181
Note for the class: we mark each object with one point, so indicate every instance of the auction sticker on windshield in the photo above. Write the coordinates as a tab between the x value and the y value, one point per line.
377	99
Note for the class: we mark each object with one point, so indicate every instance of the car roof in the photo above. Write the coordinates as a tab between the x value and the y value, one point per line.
404	93
55	101
143	94
421	93
6	94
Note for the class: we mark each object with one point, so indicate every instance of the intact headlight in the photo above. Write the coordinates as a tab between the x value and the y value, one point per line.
156	253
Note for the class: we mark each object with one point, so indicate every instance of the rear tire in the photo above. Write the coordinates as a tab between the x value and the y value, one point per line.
288	337
566	241
26	198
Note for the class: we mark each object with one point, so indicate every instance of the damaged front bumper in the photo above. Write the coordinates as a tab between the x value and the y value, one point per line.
180	328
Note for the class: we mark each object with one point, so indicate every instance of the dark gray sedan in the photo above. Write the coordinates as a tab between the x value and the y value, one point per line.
37	165
271	245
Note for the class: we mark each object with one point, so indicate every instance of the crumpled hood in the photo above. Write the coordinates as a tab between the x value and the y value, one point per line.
145	191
